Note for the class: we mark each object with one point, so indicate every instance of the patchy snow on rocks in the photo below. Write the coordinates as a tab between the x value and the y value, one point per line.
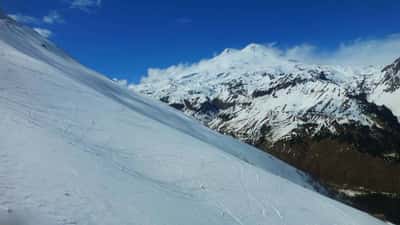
247	91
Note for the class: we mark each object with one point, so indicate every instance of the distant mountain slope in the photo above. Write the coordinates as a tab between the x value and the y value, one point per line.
341	124
77	149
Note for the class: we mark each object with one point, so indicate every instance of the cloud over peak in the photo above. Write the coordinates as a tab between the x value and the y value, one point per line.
359	52
380	51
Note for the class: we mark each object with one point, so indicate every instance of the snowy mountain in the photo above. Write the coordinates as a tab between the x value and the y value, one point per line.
75	148
229	93
340	124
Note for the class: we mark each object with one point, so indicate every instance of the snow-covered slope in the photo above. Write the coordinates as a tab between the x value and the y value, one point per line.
75	148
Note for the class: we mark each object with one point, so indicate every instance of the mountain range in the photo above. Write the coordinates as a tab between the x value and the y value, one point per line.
338	123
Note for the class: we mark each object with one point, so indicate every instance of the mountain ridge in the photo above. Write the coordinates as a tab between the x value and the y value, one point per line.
261	62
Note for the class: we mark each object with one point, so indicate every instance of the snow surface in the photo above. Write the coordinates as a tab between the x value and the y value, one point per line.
388	99
76	148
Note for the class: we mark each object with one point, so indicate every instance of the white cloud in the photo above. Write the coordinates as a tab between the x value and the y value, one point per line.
44	32
373	51
53	17
361	52
85	5
23	18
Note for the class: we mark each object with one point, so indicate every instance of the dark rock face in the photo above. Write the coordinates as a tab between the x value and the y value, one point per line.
177	106
392	76
339	163
284	83
386	207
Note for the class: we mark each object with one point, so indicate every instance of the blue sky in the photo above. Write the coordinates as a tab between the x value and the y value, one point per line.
122	38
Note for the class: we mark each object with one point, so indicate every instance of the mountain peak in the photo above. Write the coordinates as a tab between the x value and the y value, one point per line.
228	51
396	66
252	50
254	47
